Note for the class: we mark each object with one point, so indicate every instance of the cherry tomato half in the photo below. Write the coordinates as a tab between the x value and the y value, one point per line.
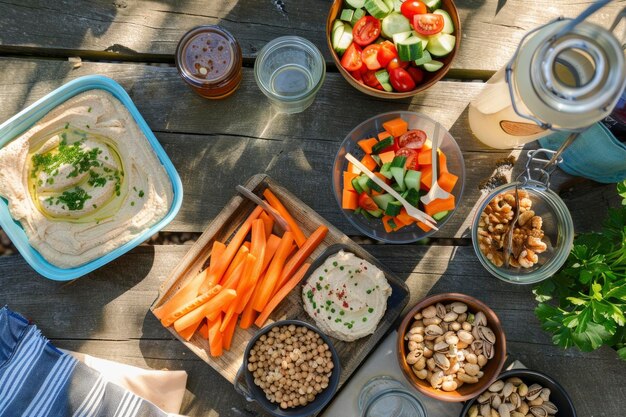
417	74
351	59
369	78
412	7
413	139
386	53
428	24
396	63
357	76
401	80
411	158
366	202
366	30
370	57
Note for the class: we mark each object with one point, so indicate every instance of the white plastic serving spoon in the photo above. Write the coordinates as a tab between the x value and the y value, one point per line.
435	191
411	211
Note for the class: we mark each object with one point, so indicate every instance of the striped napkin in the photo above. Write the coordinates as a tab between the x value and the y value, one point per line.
38	380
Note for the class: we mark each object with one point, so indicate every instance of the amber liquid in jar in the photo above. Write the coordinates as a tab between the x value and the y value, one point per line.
209	60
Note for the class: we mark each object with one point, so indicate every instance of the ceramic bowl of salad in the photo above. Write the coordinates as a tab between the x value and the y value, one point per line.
393	48
397	148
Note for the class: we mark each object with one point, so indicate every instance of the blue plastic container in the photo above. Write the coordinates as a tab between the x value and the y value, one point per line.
33	113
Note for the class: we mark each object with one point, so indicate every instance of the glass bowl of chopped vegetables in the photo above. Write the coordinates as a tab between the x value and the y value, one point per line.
392	48
396	147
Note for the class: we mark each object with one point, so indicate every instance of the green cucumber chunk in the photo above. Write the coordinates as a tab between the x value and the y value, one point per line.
346	15
397	170
410	49
441	44
424	59
448	26
397	5
396	187
382	200
385	170
358	14
385	143
399	37
355	4
412	179
412	196
383	78
376	159
395	23
393	208
432	4
440	215
375	213
433	66
373	186
389	4
336	33
423	38
363	183
356	185
377	8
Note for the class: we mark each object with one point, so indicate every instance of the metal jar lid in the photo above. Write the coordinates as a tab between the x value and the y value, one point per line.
570	80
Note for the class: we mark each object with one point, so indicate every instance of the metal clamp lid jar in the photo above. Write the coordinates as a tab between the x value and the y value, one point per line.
558	228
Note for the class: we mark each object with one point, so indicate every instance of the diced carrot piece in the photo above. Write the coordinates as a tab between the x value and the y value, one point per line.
347	180
423	226
367	144
443	162
447	181
404	217
387	156
388	227
396	126
193	318
398	221
369	162
353	169
425	156
440	204
427	177
350	200
384	135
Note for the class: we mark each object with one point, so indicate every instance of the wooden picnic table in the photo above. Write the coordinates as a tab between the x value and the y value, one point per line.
218	144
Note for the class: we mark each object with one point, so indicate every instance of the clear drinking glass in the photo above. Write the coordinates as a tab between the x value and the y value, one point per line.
384	396
290	70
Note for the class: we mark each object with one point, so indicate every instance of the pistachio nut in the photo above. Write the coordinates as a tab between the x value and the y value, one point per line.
449	386
471	369
503	410
413	356
550	407
496	386
468	379
533	391
486	334
480	319
473	411
432	331
441	361
485	410
450	317
538	412
458	307
515	399
441	310
488	350
435	320
515	381
441	347
496	401
465	336
421	374
483	398
429	312
545	394
522	389
436	379
507	390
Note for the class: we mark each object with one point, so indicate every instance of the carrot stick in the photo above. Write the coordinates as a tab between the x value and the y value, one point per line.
281	294
227	334
271	247
204	330
303	253
189	331
230	308
278	206
216	274
239	258
191	305
268	221
215	337
216	253
246	244
258	248
248	316
195	316
233	280
263	294
185	294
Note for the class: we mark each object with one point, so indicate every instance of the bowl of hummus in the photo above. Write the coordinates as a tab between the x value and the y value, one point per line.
83	179
345	294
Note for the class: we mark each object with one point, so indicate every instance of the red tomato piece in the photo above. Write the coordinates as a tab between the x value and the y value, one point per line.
412	7
394	147
411	157
357	76
413	139
351	59
396	63
428	24
386	53
416	73
366	202
401	80
366	30
369	78
370	57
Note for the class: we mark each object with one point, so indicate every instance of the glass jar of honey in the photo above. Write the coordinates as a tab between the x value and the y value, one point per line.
209	60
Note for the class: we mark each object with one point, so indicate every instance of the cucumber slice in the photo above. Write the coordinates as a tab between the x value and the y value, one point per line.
358	13
412	196
433	66
440	215
392	224
441	44
356	185
376	158
424	59
389	4
396	187
346	15
393	208
395	23
374	186
355	4
397	170
345	41
448	26
376	213
337	33
383	200
432	4
410	49
397	5
385	172
412	179
382	145
422	38
383	78
363	183
399	37
377	8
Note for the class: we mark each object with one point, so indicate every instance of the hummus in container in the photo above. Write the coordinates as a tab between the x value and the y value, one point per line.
83	180
346	296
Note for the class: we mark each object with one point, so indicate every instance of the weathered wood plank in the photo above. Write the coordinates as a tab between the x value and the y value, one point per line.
114	323
150	29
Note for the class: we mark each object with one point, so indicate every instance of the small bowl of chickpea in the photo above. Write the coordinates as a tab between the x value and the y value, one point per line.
290	368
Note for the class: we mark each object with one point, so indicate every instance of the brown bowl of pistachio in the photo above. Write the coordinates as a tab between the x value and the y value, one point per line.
521	393
451	347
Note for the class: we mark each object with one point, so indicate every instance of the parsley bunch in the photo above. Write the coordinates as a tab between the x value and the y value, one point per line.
584	304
